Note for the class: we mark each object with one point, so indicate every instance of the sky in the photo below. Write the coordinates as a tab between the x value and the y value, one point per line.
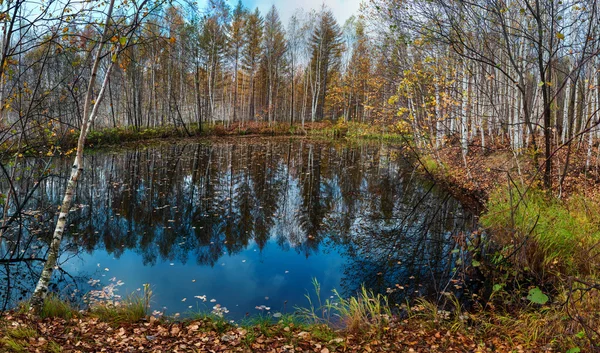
342	9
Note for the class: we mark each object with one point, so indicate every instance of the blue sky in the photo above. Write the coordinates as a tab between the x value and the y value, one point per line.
342	9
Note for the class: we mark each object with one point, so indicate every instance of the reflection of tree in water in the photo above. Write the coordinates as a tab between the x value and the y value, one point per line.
410	254
200	201
26	194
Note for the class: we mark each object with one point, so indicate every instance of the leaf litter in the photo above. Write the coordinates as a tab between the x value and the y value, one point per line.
86	333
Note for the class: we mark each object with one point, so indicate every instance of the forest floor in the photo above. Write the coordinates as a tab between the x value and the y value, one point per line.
485	169
86	333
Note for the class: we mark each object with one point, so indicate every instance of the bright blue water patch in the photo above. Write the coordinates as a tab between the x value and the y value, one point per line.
276	278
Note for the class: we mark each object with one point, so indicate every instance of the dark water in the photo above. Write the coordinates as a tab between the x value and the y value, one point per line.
244	222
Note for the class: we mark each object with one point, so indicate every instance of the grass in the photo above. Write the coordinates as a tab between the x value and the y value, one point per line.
548	242
544	235
54	307
64	142
133	309
364	312
130	310
53	347
430	165
211	321
16	338
367	316
12	345
432	314
22	333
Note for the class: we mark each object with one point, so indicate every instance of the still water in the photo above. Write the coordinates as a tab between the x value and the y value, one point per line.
247	223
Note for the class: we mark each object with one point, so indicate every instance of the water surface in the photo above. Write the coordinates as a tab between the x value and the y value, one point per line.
247	224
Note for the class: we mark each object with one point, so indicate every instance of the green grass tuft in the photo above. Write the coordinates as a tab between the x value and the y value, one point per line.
16	339
130	310
22	333
53	347
363	312
12	346
54	307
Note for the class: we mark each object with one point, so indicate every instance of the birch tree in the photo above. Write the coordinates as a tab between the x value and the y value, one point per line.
114	43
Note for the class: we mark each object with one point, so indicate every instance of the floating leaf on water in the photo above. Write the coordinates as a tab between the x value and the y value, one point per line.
184	299
277	315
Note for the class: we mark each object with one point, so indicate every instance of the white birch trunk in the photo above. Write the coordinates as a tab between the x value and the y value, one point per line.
41	289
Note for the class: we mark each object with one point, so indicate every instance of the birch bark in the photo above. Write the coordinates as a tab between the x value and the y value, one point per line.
41	289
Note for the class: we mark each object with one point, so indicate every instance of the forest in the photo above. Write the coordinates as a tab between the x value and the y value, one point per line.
523	74
468	131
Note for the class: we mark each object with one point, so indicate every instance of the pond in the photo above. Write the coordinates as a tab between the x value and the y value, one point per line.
245	223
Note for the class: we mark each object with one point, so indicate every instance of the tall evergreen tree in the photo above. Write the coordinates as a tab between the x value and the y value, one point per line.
236	45
252	53
274	50
327	47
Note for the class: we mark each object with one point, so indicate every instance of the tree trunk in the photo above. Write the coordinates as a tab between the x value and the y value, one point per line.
41	289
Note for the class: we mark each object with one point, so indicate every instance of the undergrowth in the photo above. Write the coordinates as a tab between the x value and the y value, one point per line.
543	241
543	235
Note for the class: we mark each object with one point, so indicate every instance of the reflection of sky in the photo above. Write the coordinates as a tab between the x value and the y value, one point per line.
236	284
206	209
